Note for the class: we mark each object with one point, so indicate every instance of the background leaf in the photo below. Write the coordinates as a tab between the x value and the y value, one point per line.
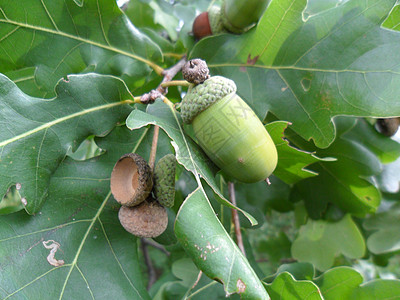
386	227
343	182
319	242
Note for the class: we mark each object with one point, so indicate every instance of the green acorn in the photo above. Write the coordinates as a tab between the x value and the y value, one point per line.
164	180
236	16
229	131
131	180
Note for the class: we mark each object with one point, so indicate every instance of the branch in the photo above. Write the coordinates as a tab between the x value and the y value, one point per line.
156	245
235	218
149	264
153	151
170	73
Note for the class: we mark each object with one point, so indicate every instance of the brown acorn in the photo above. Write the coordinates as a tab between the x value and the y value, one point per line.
131	180
201	26
148	219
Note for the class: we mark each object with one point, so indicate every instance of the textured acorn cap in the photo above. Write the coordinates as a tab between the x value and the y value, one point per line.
149	219
201	96
131	180
164	180
215	19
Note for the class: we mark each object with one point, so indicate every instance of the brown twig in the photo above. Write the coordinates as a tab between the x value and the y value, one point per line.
235	218
150	97
150	268
197	280
156	246
170	73
153	151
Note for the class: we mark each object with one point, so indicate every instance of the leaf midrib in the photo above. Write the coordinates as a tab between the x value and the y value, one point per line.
6	20
63	119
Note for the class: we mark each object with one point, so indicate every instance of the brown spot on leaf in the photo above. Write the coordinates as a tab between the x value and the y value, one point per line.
250	61
240	286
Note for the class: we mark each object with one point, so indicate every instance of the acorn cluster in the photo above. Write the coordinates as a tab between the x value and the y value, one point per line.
144	194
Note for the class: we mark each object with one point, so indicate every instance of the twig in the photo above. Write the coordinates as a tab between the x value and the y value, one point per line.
153	151
235	218
156	245
175	83
197	280
149	265
170	73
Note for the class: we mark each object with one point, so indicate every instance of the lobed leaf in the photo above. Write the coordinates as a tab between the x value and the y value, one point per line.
339	62
285	286
100	257
110	45
386	231
343	182
318	242
292	162
37	134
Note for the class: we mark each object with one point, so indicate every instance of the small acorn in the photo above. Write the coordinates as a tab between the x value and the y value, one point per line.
131	180
235	16
148	219
388	126
164	180
228	130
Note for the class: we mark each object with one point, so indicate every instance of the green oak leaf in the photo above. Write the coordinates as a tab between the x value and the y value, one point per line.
188	153
318	242
292	162
343	182
339	283
347	284
212	250
100	257
386	231
393	20
54	39
298	270
37	133
309	72
386	149
379	289
285	286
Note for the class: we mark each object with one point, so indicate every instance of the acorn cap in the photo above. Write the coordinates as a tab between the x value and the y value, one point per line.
131	180
215	20
149	219
164	180
201	96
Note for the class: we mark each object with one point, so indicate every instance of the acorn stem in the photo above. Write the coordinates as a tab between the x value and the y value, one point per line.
153	150
235	217
175	83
